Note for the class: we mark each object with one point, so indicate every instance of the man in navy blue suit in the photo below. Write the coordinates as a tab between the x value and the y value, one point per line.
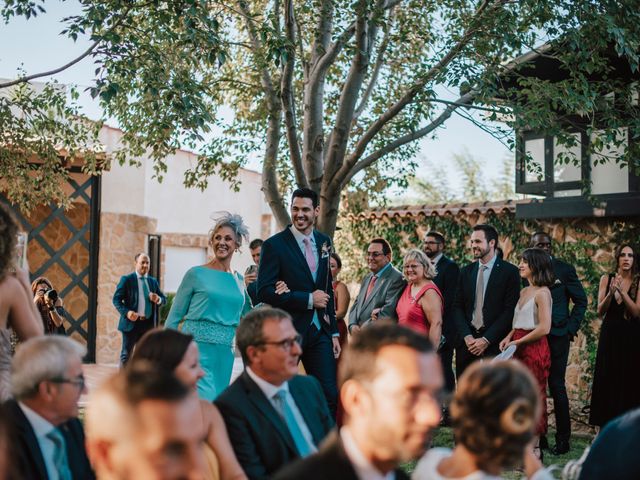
299	256
136	298
447	282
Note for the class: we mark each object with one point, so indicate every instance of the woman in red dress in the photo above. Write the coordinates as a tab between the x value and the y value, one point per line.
531	325
420	305
341	297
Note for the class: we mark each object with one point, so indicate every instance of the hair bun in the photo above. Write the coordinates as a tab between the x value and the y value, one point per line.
517	417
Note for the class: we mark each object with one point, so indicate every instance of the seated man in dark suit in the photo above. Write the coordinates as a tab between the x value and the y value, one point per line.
611	455
273	415
136	298
390	381
47	381
142	423
487	294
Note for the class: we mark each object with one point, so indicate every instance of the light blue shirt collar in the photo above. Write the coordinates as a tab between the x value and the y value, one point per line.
382	270
267	388
490	263
300	237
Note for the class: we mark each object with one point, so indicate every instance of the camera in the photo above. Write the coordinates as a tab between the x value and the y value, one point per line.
51	295
251	269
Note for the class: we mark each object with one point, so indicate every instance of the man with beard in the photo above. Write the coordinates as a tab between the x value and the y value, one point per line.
446	280
486	296
564	327
294	275
390	381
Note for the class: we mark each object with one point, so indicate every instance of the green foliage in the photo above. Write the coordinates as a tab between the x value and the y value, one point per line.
166	308
40	122
166	67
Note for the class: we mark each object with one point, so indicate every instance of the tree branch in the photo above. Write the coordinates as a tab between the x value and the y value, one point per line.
376	71
287	96
410	137
365	36
86	53
408	97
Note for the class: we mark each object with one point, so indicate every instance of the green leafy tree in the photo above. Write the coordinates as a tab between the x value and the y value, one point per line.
333	94
433	186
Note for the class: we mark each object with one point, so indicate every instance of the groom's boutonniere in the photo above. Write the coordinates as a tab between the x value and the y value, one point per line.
326	250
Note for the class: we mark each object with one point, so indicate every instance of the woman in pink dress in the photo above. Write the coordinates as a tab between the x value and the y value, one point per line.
532	322
420	305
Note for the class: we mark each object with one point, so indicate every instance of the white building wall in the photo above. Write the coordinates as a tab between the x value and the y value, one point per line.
177	209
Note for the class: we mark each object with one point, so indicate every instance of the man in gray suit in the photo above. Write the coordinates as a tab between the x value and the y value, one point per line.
380	289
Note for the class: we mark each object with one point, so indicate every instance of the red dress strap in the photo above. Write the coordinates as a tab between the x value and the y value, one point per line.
426	288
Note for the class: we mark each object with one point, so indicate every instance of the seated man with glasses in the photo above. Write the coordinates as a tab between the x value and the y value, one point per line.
47	381
273	415
380	289
390	387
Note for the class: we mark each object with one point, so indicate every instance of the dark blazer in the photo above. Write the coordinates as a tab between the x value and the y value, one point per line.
259	436
125	298
385	294
611	454
281	259
252	290
330	462
447	281
567	287
500	299
28	460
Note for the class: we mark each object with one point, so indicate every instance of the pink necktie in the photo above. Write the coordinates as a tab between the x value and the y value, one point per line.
308	254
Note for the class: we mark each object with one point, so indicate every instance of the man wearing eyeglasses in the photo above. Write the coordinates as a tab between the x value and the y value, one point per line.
446	280
273	415
390	386
47	381
380	288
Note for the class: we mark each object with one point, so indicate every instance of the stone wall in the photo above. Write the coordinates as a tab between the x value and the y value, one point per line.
121	237
55	234
179	240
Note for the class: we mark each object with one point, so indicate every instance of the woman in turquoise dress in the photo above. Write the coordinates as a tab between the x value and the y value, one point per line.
209	304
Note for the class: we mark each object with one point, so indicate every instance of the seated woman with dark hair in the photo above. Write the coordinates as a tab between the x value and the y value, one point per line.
177	352
494	415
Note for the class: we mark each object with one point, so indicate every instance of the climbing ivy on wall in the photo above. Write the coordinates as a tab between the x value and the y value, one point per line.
586	244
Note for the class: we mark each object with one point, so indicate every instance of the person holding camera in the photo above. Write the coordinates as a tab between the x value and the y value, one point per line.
49	305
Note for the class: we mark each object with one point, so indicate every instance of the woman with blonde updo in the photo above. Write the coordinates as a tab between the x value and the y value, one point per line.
209	303
420	306
494	415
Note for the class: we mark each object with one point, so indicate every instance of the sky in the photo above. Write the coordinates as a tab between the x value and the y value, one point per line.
36	46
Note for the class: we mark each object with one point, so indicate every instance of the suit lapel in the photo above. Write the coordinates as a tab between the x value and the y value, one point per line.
362	293
493	278
379	283
474	282
299	396
292	243
24	427
262	403
134	289
322	271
